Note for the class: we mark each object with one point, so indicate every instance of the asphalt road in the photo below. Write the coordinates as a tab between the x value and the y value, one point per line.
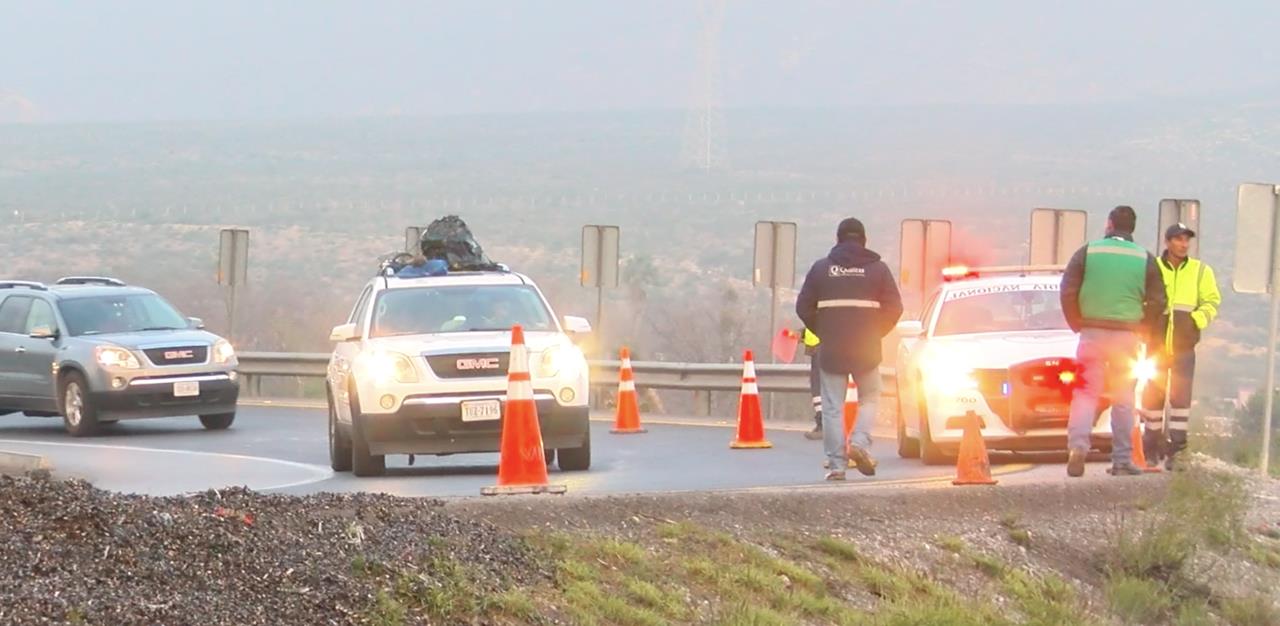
285	450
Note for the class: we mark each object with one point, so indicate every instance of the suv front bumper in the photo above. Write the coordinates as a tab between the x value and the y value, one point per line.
154	397
433	425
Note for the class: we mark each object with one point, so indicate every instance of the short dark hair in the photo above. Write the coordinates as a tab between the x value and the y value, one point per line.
1123	219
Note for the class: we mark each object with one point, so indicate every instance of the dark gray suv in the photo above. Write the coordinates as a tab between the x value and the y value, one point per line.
96	351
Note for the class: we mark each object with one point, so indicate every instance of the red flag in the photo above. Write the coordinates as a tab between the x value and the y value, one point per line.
784	345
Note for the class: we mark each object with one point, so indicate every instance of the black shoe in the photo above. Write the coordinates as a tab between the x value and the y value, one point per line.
1125	469
1075	462
862	460
815	434
1169	463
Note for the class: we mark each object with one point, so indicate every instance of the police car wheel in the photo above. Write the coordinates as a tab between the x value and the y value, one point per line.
576	459
930	453
339	441
908	447
550	455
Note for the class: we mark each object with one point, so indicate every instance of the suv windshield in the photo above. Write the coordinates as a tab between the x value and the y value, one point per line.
1030	308
458	309
102	315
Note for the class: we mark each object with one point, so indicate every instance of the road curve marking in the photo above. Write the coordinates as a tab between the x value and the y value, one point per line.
319	471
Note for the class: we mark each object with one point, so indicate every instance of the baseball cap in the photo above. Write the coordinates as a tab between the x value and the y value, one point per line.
851	228
1177	230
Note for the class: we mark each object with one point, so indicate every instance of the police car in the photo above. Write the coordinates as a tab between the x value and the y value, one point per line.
420	367
991	343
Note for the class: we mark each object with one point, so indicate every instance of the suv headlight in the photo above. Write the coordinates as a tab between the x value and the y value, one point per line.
113	357
946	373
384	367
560	361
223	353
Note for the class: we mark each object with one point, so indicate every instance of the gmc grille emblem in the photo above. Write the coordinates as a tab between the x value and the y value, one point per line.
173	355
478	364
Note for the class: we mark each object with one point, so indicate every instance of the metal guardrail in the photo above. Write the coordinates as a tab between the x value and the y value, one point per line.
695	377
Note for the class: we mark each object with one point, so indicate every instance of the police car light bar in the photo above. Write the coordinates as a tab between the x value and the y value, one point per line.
958	272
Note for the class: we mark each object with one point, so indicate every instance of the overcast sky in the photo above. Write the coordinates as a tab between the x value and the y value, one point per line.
85	60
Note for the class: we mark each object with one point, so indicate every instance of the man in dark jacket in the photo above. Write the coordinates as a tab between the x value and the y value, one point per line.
851	301
1113	295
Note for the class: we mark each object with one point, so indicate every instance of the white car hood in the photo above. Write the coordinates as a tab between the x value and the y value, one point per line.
1000	350
469	342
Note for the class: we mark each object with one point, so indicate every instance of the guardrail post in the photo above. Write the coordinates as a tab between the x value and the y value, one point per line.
701	403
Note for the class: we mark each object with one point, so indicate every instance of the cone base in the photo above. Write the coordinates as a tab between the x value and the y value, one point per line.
750	445
1152	470
511	490
975	482
629	431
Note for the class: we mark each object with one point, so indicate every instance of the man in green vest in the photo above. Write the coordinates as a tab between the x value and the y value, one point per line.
1193	298
1112	295
815	383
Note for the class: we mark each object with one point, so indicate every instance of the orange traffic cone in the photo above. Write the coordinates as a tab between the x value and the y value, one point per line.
750	421
1140	455
973	466
850	416
627	421
522	467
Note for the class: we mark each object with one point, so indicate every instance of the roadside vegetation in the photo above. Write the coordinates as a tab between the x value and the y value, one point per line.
1156	566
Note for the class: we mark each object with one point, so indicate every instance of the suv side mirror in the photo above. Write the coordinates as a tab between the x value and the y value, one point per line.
43	332
196	323
576	325
910	328
344	332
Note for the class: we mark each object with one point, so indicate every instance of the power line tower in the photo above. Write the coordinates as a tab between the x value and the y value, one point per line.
704	147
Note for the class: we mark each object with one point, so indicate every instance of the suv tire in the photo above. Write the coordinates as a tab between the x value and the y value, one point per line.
576	459
363	463
79	415
218	421
339	441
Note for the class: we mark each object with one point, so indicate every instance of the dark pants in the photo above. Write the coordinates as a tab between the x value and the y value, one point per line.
1173	380
815	389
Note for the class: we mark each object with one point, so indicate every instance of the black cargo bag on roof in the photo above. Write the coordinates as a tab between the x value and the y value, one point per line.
449	239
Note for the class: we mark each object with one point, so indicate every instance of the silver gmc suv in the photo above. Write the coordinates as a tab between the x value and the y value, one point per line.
95	351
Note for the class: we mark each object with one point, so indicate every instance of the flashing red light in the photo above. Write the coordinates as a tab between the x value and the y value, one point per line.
958	272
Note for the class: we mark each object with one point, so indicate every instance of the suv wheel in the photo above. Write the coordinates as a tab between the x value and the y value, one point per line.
219	421
363	463
79	415
339	441
908	447
576	459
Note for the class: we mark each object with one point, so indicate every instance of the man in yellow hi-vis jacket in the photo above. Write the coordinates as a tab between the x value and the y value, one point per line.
815	388
1193	303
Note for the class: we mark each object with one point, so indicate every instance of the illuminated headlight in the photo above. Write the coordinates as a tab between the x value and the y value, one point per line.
561	361
384	367
1144	369
112	357
223	353
944	374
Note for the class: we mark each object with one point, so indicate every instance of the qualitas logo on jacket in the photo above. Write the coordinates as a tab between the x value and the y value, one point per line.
837	272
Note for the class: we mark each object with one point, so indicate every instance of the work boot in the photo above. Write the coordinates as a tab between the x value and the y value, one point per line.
1153	447
1125	469
835	475
1169	463
862	460
1075	462
815	434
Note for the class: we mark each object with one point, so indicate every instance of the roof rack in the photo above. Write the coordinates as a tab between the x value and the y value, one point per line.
23	284
90	280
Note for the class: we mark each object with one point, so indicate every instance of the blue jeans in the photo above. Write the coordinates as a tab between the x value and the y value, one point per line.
833	390
1106	358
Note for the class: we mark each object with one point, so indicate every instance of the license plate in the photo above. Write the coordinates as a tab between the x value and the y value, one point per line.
481	411
186	390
